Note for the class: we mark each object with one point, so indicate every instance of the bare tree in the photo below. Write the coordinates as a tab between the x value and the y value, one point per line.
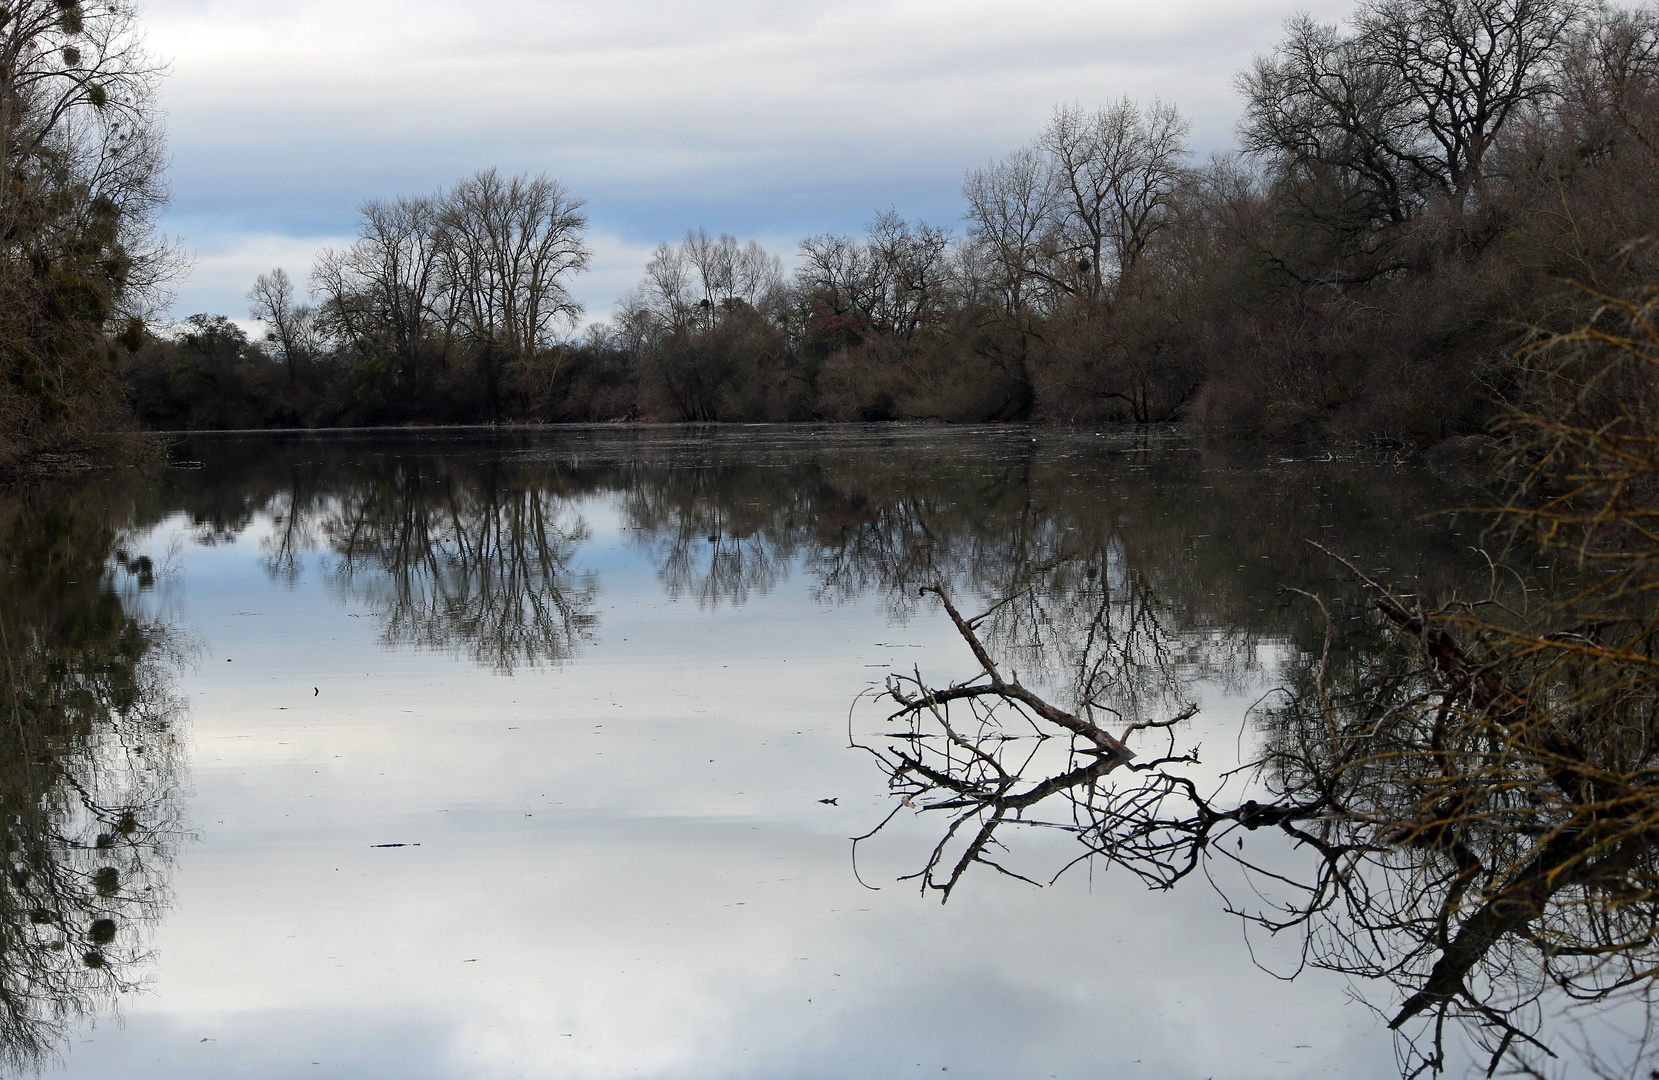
482	269
692	283
1467	67
730	274
706	328
384	296
1114	172
292	324
1370	122
838	273
509	248
1333	125
894	282
913	273
1610	77
1010	209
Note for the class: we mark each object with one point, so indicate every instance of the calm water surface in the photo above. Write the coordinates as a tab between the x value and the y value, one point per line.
448	755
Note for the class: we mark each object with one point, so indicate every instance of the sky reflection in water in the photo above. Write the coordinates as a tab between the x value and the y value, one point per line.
616	862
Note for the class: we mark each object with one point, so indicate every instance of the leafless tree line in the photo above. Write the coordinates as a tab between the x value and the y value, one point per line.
1104	273
475	277
1410	189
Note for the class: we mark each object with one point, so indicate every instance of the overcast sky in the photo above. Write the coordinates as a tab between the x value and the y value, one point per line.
770	121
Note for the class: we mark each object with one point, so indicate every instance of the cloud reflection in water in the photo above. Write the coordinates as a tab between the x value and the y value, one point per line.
592	894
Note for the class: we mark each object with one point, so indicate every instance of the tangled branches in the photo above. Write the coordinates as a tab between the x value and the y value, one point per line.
977	770
1455	837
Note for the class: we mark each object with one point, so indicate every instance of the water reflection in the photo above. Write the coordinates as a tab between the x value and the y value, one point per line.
472	543
1476	858
1009	758
1485	842
89	768
475	562
1118	574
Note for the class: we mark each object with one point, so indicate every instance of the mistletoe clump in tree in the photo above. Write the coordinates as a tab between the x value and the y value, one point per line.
80	185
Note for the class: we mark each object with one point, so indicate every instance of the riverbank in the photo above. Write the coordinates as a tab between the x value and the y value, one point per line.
33	461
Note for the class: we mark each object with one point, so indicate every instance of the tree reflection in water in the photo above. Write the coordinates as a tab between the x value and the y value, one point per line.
1461	832
988	770
1162	566
706	548
476	564
89	767
877	512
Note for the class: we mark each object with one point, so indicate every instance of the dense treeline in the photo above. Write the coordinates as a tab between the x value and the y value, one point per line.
444	309
1414	193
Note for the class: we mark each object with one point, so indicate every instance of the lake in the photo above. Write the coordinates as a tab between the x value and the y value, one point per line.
543	754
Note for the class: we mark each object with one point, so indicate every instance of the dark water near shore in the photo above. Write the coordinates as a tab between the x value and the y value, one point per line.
540	755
